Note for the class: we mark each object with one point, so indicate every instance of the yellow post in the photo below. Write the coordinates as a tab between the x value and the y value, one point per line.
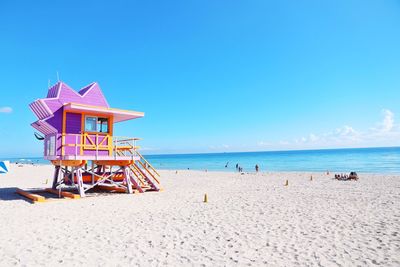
205	198
287	183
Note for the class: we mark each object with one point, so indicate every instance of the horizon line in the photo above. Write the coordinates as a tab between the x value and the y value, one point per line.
286	150
237	152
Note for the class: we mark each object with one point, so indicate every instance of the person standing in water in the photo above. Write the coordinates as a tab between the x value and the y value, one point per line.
256	167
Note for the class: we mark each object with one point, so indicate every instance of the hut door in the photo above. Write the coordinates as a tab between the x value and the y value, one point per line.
73	123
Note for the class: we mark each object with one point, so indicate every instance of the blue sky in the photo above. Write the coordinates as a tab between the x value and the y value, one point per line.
211	76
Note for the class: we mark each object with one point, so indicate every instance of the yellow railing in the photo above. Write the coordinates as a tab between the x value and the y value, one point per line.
147	163
98	142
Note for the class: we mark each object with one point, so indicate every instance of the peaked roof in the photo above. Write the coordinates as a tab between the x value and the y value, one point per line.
61	94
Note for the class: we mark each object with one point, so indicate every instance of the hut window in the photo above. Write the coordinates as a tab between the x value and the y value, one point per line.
51	145
102	125
96	124
90	124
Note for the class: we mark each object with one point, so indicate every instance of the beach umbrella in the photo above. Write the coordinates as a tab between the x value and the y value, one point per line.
4	166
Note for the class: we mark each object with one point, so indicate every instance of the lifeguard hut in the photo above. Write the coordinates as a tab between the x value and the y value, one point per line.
78	137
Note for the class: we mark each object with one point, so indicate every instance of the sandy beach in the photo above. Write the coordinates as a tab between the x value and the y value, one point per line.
249	220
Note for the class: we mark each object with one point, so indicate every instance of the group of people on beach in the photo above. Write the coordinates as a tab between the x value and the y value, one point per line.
240	169
344	177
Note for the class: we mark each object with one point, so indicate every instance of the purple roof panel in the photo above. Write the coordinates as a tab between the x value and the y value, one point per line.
53	91
58	95
86	88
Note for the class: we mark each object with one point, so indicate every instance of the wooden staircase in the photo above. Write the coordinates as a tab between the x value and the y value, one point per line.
144	176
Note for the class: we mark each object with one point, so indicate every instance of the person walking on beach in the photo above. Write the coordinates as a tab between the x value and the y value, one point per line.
257	167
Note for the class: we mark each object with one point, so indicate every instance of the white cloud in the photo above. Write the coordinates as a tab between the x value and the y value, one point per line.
346	131
264	143
386	125
387	133
313	138
388	120
5	110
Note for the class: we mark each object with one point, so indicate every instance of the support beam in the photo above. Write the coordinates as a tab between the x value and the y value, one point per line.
33	197
92	171
55	177
78	172
62	193
134	182
128	180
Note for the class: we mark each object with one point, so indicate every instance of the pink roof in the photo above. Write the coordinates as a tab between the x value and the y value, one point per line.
41	110
118	114
89	98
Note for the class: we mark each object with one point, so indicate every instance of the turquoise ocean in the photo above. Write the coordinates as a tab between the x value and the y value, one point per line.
371	160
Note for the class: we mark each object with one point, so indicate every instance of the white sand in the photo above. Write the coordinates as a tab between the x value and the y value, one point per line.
249	220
